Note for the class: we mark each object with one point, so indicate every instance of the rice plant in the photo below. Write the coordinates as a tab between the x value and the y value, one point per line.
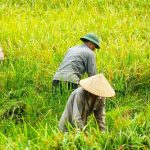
36	34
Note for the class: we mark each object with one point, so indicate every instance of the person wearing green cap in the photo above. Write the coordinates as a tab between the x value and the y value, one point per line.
77	61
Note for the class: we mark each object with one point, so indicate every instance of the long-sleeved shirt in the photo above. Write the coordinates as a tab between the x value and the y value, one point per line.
79	106
77	61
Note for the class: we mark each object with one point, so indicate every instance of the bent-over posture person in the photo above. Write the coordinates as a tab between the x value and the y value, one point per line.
85	100
77	61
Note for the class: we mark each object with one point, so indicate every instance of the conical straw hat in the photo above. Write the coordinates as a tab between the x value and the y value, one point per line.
98	85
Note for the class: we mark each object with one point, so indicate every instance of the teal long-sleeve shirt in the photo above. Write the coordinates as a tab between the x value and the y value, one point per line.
77	61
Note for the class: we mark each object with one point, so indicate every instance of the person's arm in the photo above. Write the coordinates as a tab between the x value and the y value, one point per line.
100	114
91	65
77	111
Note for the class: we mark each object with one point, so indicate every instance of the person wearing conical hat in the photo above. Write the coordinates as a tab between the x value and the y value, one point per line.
1	54
85	100
77	61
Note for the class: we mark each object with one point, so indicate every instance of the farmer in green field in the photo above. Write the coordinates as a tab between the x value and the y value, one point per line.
77	61
87	99
1	54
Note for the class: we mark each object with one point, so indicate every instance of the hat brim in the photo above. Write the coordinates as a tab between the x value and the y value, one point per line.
91	40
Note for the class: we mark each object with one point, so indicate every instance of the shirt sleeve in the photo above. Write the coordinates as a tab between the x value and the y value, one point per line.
77	111
91	65
100	114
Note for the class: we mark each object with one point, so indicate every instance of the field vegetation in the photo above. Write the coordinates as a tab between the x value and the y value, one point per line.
35	34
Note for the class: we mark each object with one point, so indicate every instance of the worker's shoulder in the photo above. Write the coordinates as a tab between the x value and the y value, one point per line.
81	49
79	91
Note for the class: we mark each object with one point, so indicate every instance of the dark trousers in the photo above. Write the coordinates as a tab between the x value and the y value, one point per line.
63	85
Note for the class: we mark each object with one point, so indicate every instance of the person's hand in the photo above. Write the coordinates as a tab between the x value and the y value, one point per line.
86	133
77	131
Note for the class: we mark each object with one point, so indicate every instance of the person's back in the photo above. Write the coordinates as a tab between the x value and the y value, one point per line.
85	100
77	61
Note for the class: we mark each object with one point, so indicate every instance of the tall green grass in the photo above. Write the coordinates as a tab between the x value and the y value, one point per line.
35	36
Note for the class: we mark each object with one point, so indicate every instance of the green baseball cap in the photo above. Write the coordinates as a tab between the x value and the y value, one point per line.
92	38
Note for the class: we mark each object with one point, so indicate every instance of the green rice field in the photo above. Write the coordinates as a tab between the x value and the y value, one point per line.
35	35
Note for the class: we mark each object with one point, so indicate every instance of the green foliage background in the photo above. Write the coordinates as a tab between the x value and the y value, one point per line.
35	35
